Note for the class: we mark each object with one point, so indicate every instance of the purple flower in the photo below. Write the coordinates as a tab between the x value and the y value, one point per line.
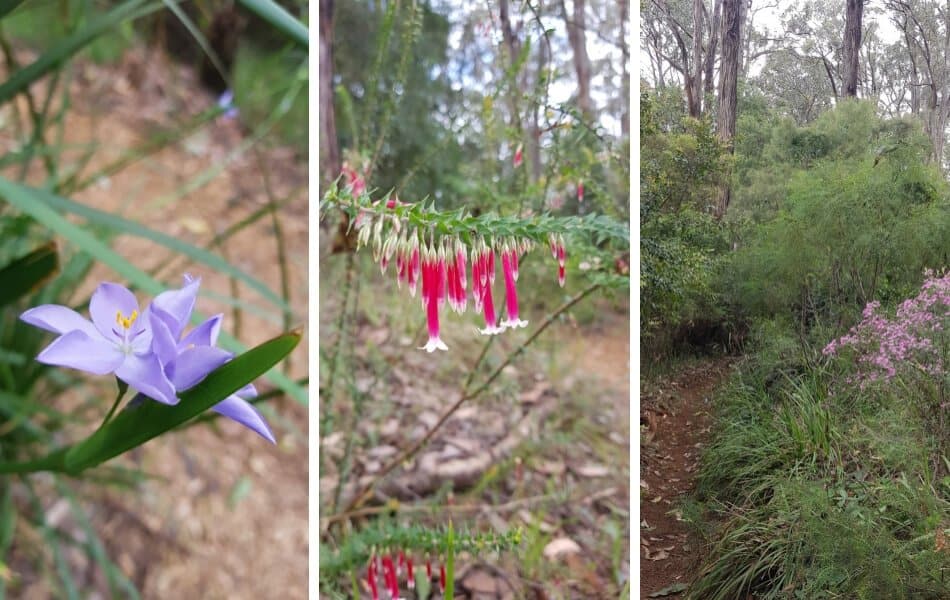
118	340
226	102
188	359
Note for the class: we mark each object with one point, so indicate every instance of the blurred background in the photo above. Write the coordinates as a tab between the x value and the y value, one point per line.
155	139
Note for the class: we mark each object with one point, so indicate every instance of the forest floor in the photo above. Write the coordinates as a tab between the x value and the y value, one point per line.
546	449
222	513
675	418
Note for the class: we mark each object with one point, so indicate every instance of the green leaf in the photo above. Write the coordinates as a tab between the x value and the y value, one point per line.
67	48
28	272
27	200
669	590
8	6
135	426
132	228
279	18
240	491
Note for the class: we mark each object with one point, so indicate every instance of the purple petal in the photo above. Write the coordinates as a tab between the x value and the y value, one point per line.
77	350
163	344
194	364
144	373
205	334
108	299
58	319
247	392
178	304
140	335
245	414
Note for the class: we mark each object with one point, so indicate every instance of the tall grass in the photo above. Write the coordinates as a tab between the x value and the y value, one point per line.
819	494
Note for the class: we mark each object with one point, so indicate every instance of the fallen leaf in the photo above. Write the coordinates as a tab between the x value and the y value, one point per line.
658	555
195	225
559	547
591	470
669	590
534	394
549	467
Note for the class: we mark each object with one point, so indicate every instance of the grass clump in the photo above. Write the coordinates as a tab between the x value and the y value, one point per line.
814	490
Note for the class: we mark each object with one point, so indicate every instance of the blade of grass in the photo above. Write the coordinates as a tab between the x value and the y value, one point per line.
67	48
126	226
27	273
280	19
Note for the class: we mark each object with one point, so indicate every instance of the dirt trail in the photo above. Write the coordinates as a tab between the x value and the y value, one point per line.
675	424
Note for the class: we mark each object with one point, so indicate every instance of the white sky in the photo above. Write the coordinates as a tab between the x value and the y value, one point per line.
768	21
564	87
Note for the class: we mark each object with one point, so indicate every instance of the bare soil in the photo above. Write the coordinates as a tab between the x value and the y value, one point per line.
675	424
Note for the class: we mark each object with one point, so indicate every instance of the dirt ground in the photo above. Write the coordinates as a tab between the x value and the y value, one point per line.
224	514
675	424
555	423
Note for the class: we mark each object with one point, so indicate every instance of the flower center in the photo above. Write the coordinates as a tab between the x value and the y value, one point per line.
126	322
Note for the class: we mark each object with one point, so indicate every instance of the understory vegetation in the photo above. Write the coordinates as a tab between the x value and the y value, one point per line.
828	473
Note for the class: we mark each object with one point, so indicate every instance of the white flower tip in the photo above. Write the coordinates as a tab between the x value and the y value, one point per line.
434	344
507	323
491	330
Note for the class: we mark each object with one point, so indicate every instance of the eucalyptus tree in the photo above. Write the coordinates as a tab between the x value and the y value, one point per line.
925	28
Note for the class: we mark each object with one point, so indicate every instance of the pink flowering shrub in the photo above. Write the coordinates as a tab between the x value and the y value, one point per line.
914	341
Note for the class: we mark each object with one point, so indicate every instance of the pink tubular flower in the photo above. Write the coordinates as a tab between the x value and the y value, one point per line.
486	274
509	264
442	579
519	156
433	291
561	259
410	578
354	182
371	578
580	191
412	267
389	574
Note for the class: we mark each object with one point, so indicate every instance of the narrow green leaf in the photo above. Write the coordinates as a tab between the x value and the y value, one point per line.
64	50
279	18
240	491
133	427
7	521
8	6
27	273
129	227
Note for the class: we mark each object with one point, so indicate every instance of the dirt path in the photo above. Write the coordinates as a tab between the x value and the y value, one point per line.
675	424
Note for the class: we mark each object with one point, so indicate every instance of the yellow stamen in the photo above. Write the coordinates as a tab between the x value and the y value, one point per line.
126	322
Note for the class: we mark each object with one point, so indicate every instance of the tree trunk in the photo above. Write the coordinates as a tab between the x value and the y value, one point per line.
329	148
852	45
695	80
624	73
728	81
744	43
576	35
713	43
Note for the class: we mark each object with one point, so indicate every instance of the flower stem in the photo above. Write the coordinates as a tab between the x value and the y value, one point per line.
123	388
